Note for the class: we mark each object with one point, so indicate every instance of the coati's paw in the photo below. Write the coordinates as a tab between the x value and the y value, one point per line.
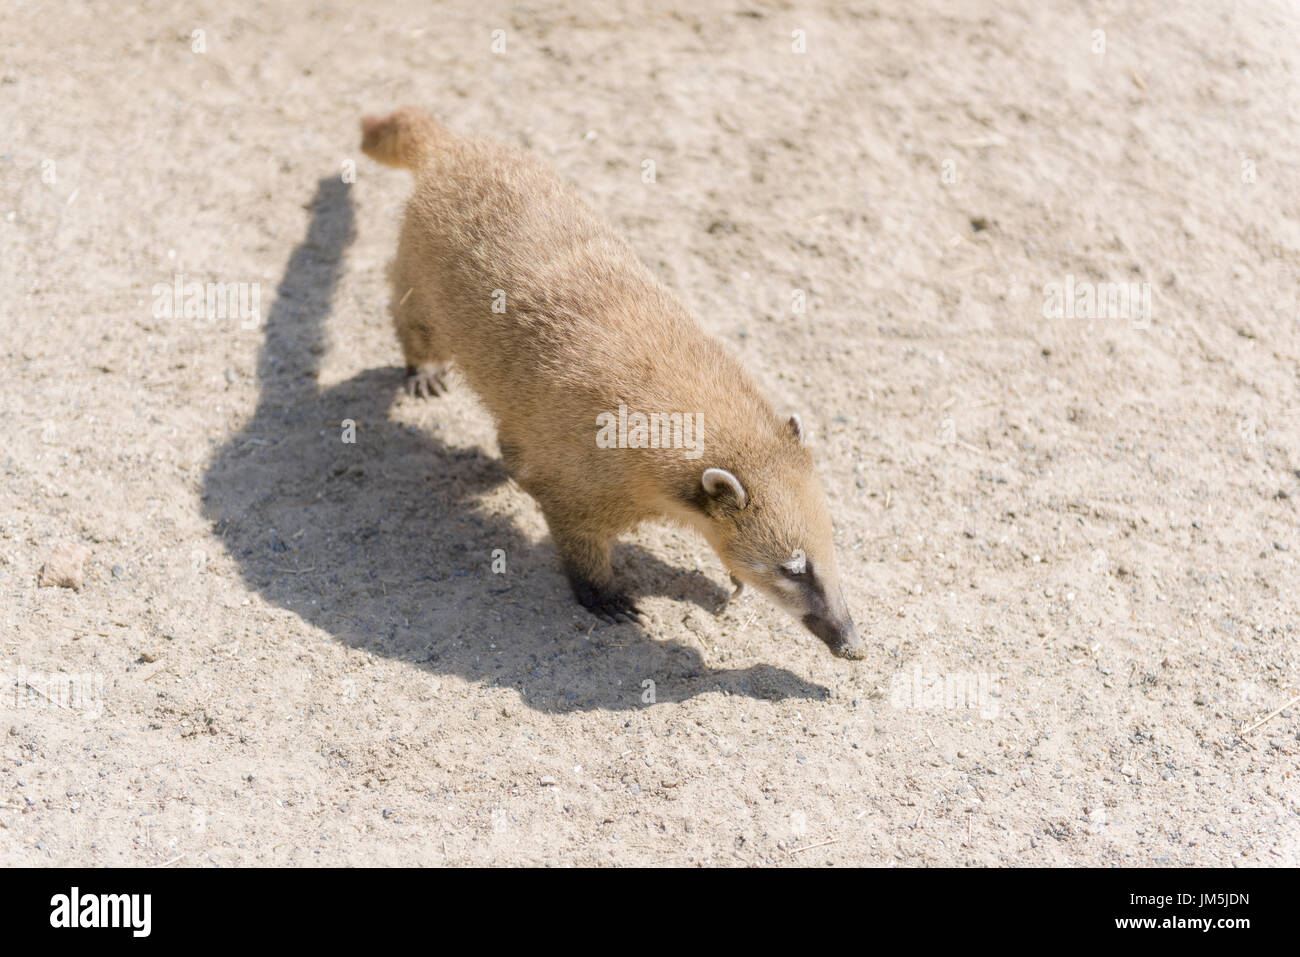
611	607
426	381
617	610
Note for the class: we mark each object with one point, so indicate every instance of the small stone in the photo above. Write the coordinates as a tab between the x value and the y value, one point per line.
547	782
65	568
118	571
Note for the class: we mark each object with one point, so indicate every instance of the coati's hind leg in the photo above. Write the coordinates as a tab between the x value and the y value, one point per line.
415	321
426	380
587	565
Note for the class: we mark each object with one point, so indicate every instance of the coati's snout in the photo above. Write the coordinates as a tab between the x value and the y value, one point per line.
776	535
819	605
840	637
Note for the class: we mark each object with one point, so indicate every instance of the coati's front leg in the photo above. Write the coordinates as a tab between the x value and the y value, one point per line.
587	565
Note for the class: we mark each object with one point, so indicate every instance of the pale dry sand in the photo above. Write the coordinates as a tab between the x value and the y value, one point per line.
303	654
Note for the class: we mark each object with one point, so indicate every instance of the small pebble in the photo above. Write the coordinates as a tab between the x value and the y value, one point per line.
65	568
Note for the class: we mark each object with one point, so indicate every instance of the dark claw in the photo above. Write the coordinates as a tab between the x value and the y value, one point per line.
425	382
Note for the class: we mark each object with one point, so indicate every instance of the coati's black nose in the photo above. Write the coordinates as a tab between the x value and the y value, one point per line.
840	637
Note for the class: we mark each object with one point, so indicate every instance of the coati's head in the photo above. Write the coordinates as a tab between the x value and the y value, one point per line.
770	526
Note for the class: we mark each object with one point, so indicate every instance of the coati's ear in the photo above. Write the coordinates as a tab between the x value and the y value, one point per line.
723	488
796	426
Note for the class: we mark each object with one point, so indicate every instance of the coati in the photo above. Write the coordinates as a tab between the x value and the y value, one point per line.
502	269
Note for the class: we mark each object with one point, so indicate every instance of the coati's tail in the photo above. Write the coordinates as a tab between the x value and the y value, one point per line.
402	139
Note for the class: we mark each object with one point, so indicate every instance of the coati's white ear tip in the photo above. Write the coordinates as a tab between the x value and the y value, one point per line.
796	426
715	481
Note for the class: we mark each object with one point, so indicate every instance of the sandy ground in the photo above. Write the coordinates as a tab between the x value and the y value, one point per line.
291	649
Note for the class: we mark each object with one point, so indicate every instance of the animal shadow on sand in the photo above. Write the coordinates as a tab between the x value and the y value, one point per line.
386	545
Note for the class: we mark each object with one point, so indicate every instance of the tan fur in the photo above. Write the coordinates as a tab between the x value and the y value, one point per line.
586	327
